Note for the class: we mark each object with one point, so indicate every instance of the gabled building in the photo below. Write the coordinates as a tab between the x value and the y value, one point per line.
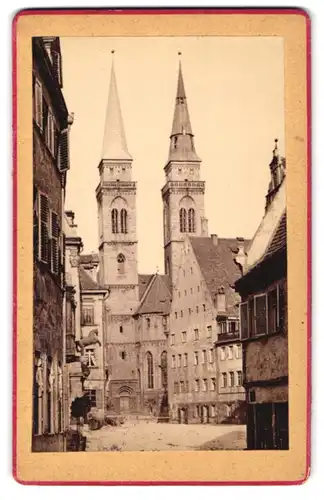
264	330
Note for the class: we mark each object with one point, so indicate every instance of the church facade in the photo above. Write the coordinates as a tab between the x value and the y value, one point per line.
159	331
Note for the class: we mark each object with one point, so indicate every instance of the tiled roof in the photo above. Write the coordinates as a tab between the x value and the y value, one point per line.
279	239
143	281
89	258
218	266
157	296
86	282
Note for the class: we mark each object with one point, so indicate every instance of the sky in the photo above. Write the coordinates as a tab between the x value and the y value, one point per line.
235	95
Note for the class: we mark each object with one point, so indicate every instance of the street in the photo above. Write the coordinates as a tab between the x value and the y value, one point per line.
151	436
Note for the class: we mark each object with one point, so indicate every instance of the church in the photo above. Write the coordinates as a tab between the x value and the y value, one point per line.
160	331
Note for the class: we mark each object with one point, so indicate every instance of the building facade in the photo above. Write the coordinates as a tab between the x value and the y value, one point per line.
50	164
264	332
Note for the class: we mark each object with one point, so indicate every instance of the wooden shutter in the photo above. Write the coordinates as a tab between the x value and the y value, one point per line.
63	155
282	307
43	228
55	233
36	223
63	260
244	321
260	314
38	104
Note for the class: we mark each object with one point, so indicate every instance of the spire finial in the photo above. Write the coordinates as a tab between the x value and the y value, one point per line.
179	53
275	151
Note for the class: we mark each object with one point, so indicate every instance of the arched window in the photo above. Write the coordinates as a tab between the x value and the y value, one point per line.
114	220
121	263
183	220
149	361
123	221
164	369
191	220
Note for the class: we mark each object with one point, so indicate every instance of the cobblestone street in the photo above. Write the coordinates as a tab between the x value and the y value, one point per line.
149	436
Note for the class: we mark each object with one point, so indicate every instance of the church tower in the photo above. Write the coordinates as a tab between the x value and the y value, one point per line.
183	192
116	203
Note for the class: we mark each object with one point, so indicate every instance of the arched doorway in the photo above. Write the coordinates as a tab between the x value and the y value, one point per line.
125	399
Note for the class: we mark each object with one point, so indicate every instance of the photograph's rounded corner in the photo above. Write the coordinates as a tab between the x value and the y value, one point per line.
17	15
303	12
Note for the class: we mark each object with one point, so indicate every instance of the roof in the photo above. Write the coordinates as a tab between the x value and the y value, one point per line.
279	239
87	283
92	258
143	281
218	266
114	142
157	296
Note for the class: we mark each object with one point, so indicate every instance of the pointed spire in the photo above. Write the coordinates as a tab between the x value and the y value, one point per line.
114	142
182	143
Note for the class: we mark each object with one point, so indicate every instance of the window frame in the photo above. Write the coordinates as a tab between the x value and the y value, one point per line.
265	295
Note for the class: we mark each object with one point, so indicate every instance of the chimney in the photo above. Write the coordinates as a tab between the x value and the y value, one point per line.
220	300
204	227
240	257
214	238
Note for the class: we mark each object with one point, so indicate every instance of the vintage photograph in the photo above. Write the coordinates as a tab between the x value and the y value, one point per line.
159	244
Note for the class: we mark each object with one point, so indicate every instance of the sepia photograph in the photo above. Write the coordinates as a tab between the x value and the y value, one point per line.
162	231
167	333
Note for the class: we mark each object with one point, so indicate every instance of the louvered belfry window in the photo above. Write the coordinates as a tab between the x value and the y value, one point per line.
38	96
63	151
55	235
191	220
183	220
114	220
123	221
43	228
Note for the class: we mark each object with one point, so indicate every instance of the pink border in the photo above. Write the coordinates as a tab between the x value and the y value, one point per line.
292	11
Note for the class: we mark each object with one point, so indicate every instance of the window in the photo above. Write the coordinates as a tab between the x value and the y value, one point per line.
43	228
181	314
213	384
197	309
91	357
149	361
176	387
182	386
189	311
176	315
191	220
196	334
87	315
114	220
123	355
204	307
238	351
172	340
186	386
148	323
38	103
251	317
173	361
179	360
184	336
230	352
121	263
197	411
211	355
231	379
212	410
244	320
50	131
239	378
196	385
273	311
164	369
121	329
260	311
196	358
204	356
223	327
183	220
123	221
204	385
209	332
91	394
185	359
223	353
232	327
224	380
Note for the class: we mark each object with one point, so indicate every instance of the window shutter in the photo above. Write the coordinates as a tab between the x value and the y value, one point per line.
63	260
43	228
282	307
261	314
244	321
36	223
45	120
63	154
38	103
55	233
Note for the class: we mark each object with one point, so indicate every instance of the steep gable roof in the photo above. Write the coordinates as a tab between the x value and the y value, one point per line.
86	282
143	281
279	239
218	266
157	296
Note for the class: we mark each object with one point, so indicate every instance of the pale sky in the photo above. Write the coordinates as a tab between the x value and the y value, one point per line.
235	95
